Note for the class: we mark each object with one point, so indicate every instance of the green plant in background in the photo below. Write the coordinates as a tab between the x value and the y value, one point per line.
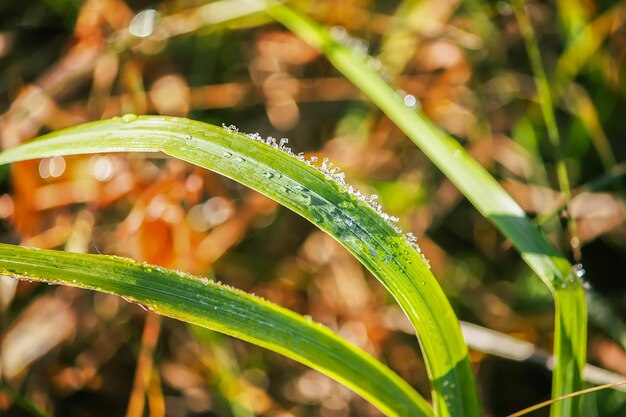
318	191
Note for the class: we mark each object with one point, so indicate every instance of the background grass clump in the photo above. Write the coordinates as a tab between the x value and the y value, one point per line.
466	65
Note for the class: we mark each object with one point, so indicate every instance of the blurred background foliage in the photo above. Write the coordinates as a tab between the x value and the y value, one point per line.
69	352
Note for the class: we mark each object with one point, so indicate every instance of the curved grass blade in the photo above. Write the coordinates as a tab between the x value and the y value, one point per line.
226	310
307	190
482	190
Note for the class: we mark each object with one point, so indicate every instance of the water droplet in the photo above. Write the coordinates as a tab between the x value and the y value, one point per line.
129	118
268	175
410	101
239	159
226	154
579	271
188	137
230	128
410	237
338	33
304	197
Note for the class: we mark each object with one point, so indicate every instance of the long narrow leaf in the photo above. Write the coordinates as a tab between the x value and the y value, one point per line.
483	191
320	195
224	309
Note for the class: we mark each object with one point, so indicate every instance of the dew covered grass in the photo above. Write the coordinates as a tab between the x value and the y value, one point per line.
480	188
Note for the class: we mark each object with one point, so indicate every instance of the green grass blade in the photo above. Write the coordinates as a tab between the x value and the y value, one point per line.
483	191
23	402
311	192
544	94
226	310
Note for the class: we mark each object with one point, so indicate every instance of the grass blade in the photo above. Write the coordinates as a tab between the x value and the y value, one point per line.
481	189
223	309
23	402
307	190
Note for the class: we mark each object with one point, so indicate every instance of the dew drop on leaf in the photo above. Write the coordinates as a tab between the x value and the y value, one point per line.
129	118
410	101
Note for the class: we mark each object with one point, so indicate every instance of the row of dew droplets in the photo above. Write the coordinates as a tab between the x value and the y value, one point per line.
327	168
334	173
360	48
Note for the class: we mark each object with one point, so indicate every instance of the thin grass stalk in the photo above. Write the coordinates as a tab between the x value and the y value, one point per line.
144	368
544	94
571	405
